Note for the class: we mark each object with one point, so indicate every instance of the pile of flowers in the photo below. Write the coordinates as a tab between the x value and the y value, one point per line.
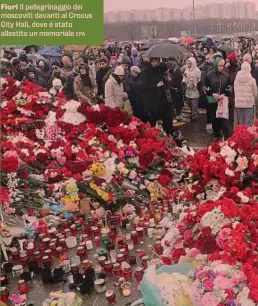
217	210
112	157
221	285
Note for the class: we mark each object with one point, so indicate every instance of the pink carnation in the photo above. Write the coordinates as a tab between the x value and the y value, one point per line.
209	299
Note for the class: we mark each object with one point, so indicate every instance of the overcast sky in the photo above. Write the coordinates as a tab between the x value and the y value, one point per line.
122	5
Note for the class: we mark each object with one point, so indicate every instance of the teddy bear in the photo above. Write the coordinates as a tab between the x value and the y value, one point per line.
71	115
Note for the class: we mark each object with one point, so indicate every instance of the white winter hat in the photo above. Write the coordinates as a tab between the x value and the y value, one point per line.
135	69
119	71
246	67
57	82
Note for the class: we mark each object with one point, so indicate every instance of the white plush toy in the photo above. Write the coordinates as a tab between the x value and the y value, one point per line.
72	115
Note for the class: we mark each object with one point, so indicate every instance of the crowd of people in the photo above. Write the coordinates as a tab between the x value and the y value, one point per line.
156	88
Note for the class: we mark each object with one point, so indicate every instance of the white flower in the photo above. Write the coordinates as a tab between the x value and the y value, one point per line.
229	172
119	144
132	175
120	166
228	153
111	138
243	299
215	219
243	198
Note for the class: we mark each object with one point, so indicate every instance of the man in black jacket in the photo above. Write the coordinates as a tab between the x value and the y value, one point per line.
103	70
156	104
136	96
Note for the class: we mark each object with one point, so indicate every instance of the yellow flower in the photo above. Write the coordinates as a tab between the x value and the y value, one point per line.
98	169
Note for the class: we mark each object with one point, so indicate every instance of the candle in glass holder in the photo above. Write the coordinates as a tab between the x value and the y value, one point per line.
74	269
97	241
120	238
24	258
86	264
117	270
89	245
146	227
139	274
152	222
126	289
37	257
112	255
158	247
86	228
111	297
100	285
101	260
139	231
46	242
140	253
74	230
23	287
47	262
30	247
145	260
84	238
104	240
81	252
62	243
52	247
78	226
120	258
135	237
15	254
108	267
4	294
48	252
97	270
67	232
127	272
95	231
17	270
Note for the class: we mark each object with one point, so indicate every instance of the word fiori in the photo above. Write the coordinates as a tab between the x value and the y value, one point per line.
9	7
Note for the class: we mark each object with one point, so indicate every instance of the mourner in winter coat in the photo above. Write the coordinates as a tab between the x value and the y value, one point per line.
191	80
136	96
114	89
84	86
245	94
217	84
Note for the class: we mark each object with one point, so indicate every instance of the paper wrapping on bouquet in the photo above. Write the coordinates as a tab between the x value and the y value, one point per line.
222	110
151	294
128	107
85	206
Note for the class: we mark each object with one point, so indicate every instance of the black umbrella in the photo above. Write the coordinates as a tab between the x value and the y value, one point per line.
226	49
49	53
149	45
164	50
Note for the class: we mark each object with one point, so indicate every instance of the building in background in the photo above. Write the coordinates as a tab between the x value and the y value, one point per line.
236	10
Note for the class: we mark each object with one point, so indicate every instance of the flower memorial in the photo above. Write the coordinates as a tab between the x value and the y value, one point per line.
112	157
217	213
199	208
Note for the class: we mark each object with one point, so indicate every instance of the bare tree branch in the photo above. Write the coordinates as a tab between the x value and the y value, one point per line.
130	30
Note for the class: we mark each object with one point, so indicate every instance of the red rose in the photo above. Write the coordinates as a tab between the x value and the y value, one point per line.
41	158
164	180
177	253
10	164
78	177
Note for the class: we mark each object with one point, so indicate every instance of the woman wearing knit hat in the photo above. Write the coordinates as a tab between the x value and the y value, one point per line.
114	89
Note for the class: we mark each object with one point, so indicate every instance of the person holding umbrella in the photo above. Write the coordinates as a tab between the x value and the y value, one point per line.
156	104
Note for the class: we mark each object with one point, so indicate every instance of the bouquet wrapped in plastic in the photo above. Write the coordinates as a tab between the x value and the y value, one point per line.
169	285
63	299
